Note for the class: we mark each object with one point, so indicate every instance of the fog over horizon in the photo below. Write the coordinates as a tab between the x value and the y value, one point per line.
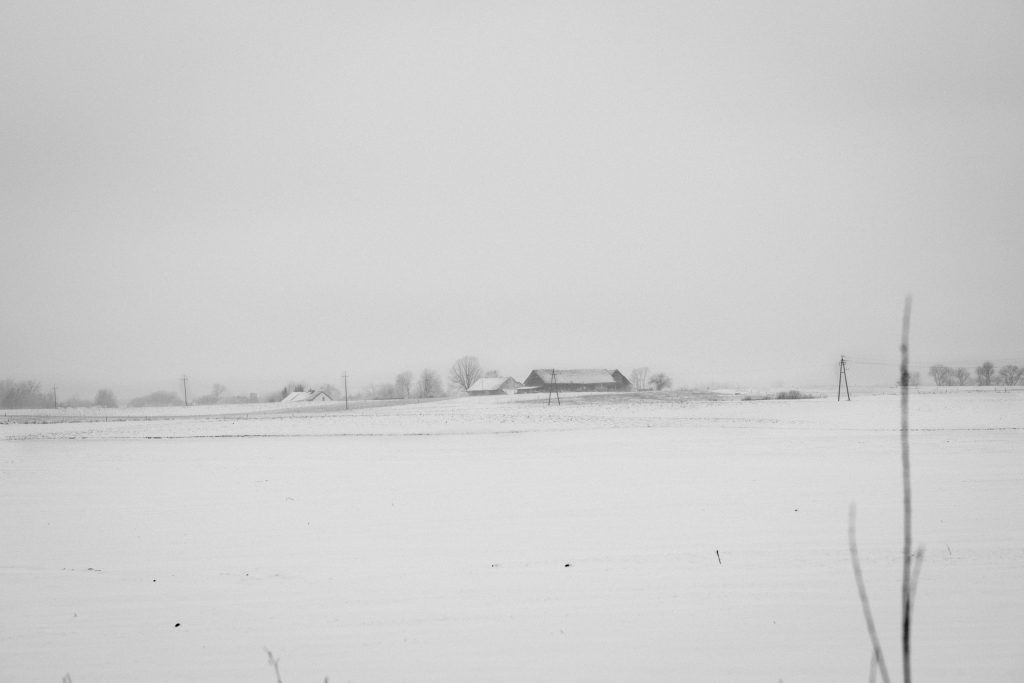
256	193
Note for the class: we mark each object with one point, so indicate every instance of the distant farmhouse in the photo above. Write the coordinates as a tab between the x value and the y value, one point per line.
492	386
577	380
311	396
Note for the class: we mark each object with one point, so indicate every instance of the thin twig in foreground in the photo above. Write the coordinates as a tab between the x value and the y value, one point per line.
916	574
273	662
905	448
863	591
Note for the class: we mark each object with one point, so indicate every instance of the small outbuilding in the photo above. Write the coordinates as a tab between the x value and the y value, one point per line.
493	386
578	380
311	396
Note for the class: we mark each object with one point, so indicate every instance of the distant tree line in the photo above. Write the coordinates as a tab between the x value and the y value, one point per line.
427	384
29	394
984	375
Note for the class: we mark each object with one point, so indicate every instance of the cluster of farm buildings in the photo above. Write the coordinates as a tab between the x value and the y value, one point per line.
553	380
537	381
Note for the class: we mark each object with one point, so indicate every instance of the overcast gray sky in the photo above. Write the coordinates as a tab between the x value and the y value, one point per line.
252	192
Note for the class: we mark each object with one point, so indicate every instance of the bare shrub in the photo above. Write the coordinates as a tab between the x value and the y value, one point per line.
661	381
793	394
158	399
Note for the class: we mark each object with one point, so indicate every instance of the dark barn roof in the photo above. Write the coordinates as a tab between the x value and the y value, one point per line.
582	378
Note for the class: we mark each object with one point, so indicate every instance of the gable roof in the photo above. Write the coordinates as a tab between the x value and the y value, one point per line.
576	376
300	396
489	383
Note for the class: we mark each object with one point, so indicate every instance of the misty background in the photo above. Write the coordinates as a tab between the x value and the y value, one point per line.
255	193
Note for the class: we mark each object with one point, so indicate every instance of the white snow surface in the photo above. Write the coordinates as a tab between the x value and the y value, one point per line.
612	538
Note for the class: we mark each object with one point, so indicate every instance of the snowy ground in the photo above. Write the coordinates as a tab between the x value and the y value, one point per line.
500	539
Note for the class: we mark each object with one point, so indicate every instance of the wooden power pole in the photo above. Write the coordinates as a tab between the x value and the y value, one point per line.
344	377
842	379
554	387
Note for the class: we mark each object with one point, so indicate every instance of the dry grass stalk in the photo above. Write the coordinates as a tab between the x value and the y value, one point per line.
905	448
911	561
273	662
877	657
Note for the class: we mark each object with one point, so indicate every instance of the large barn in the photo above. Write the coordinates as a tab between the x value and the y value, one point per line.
578	380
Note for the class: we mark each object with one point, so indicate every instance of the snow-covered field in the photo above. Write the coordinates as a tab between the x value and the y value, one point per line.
502	539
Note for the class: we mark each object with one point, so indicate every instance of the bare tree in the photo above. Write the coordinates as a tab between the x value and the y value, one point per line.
914	379
1009	375
429	384
403	384
213	397
464	372
639	378
661	381
26	394
941	374
960	376
985	372
105	399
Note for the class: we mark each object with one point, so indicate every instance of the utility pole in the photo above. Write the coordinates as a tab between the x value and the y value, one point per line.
184	387
843	378
345	378
54	395
554	387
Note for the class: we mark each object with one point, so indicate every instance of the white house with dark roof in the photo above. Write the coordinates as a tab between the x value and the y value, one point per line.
311	396
492	386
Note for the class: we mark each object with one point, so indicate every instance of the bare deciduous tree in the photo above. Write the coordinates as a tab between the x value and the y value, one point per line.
661	381
429	384
25	394
213	397
105	399
1010	375
985	372
464	372
941	374
403	384
639	378
960	376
